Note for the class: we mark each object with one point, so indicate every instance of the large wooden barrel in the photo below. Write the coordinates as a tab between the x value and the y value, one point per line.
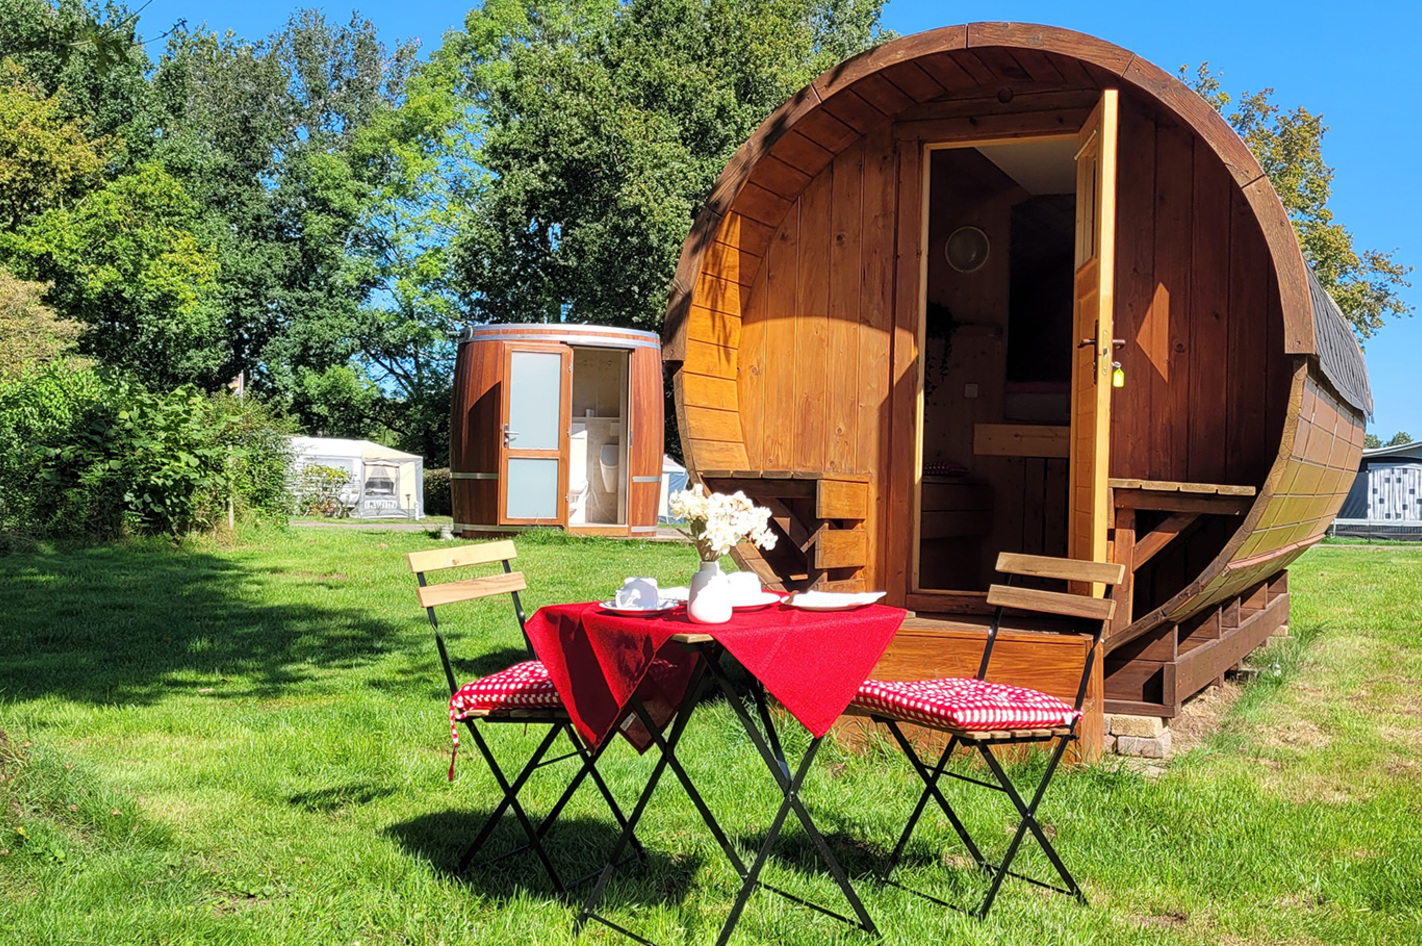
557	425
1005	287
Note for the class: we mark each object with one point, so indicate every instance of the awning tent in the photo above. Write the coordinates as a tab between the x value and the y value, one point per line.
383	482
674	479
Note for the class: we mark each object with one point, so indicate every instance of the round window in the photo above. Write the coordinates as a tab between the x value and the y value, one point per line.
966	249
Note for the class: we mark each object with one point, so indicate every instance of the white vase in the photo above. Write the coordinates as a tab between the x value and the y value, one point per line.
710	599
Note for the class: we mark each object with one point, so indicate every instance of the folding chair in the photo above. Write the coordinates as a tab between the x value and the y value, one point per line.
981	716
521	694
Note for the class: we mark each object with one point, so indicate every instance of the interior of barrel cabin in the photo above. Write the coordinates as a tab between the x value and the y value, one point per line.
996	357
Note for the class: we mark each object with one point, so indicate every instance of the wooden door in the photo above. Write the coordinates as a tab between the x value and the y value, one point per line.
1088	505
535	416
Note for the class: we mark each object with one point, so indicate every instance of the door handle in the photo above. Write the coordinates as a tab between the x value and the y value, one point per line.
509	435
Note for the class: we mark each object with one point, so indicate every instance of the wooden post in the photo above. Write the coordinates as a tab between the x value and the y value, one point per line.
1125	554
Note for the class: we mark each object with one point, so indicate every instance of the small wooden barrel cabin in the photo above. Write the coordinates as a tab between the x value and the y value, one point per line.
1009	287
557	425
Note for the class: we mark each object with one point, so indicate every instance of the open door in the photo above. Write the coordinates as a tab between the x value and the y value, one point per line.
1088	514
535	414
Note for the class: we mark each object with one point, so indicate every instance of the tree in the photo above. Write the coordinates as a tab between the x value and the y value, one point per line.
605	125
261	134
125	262
92	53
1400	438
31	334
44	156
1371	442
1367	284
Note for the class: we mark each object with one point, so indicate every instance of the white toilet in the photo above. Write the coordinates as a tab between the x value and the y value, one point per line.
578	473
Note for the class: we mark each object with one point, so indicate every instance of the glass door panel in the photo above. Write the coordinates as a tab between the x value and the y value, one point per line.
532	488
535	399
533	450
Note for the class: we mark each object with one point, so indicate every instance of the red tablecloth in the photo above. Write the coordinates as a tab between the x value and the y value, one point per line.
811	661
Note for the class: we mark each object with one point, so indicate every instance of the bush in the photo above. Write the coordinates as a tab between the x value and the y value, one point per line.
318	491
96	456
439	500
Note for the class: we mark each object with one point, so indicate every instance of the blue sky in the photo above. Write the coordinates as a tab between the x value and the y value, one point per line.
1353	62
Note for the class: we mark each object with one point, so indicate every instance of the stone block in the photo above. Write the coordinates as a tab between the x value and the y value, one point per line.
1143	747
1144	726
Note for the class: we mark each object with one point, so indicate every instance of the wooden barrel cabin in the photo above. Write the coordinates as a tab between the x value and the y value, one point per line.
1005	287
557	425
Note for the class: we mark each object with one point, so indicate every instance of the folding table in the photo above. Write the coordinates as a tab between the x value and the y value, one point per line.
812	663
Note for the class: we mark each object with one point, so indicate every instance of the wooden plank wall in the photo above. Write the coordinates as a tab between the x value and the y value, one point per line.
1207	378
645	456
474	432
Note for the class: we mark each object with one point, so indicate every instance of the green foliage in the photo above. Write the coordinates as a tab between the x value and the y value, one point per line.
318	490
605	127
1400	438
90	51
1371	441
1366	284
126	262
44	155
439	500
86	455
31	334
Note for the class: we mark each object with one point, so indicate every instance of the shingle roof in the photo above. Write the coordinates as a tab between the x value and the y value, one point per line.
1338	353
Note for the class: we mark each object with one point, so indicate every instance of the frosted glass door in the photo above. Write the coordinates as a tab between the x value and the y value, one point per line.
535	417
535	399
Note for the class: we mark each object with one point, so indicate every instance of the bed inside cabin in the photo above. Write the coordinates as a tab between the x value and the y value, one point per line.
997	358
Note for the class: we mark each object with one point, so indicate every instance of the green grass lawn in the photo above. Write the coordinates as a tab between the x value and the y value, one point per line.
248	744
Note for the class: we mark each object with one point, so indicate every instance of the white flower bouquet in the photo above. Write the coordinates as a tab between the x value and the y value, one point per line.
717	522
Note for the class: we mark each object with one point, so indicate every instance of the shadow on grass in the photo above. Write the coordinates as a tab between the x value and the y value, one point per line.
920	870
120	624
579	847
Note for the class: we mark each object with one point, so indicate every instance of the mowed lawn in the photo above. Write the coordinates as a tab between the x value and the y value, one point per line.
248	744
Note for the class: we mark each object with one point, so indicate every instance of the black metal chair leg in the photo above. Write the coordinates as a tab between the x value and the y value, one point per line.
1028	813
930	780
590	767
510	802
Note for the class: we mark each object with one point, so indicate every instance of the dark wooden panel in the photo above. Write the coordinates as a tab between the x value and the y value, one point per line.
1174	176
1146	355
875	327
648	437
1209	325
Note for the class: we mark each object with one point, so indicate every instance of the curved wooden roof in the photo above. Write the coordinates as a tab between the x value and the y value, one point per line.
889	81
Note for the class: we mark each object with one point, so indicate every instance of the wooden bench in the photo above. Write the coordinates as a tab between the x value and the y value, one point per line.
1184	502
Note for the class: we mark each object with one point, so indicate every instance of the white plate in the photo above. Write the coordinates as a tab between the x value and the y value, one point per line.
679	593
832	600
762	600
662	607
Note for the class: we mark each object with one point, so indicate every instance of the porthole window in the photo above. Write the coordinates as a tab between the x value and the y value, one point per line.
966	249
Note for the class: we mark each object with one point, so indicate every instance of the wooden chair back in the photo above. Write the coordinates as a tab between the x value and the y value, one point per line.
1068	604
431	596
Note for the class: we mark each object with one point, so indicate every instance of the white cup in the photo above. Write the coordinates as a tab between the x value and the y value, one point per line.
637	593
745	587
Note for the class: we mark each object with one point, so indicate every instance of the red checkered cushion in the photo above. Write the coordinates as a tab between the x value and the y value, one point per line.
522	686
960	703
